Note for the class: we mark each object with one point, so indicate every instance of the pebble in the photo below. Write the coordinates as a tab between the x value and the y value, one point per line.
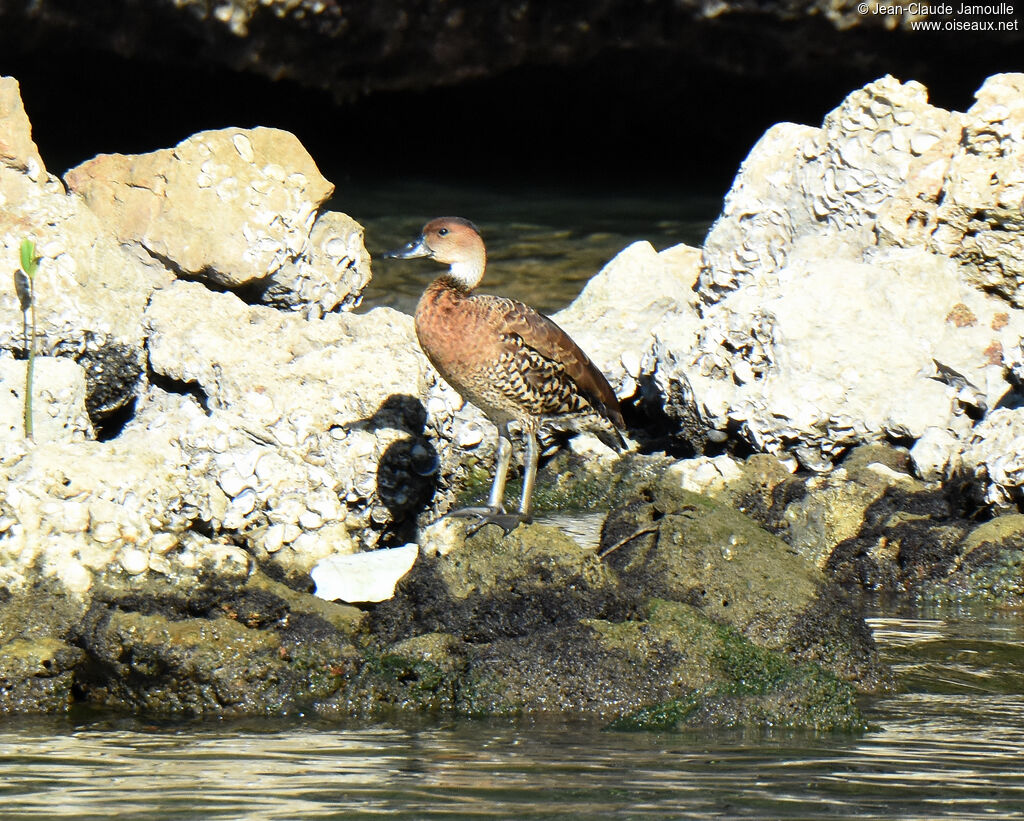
310	520
74	576
273	539
134	561
162	543
105	532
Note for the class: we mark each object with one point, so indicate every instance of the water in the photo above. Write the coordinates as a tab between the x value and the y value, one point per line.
950	746
543	245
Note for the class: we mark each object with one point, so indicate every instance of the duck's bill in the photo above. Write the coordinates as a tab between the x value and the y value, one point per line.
416	248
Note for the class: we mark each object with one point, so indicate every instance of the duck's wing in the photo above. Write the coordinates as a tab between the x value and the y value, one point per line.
557	365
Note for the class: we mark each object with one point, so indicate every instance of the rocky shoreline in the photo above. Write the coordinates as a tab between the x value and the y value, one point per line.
215	428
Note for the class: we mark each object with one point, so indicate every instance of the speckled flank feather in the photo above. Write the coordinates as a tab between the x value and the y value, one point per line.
510	361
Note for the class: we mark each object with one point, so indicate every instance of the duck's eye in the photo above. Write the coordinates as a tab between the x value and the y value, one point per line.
442	232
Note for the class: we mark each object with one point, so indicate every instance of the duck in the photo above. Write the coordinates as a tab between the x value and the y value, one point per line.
512	362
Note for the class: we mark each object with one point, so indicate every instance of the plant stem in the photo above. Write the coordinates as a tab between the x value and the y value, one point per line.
25	285
29	373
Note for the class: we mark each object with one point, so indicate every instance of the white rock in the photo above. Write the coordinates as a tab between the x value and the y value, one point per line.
995	452
273	540
162	543
612	317
831	282
936	454
706	474
134	561
58	400
363	577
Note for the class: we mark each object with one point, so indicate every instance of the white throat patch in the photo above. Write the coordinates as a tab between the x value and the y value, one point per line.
466	273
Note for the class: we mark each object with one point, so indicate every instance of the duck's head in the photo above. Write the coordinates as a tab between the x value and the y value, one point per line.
453	241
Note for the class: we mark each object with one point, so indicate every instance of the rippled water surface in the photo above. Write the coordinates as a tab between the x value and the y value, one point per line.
950	746
543	245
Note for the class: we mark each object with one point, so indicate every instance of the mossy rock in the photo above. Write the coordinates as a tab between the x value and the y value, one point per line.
212	648
624	671
531	622
685	547
840	505
493	586
425	673
989	567
37	675
749	685
909	537
699	551
38	613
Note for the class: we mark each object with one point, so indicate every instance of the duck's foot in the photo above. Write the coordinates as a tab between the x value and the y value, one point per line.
489	516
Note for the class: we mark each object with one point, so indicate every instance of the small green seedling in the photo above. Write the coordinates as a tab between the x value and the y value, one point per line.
24	285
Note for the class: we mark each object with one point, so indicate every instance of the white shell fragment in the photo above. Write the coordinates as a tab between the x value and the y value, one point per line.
363	577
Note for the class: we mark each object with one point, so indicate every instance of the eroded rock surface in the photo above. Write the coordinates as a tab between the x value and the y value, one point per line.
842	287
233	207
819	321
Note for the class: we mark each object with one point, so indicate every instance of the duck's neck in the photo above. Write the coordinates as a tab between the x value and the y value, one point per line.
467	273
450	285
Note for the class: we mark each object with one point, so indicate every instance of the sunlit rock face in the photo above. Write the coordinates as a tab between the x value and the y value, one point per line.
235	207
848	292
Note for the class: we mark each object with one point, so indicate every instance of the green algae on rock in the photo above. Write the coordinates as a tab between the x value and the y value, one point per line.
216	647
751	685
36	676
693	604
989	566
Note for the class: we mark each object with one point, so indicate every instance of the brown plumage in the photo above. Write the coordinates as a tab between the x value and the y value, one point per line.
512	362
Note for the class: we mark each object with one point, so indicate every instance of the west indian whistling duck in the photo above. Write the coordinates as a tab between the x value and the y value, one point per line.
513	363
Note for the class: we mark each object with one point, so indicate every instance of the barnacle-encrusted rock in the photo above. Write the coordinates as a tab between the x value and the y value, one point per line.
234	207
837	309
309	442
995	453
979	222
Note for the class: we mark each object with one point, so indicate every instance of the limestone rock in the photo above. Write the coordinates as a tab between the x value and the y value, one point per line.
979	221
17	151
89	291
832	316
309	440
837	506
936	454
995	453
800	181
706	474
234	207
331	275
612	317
58	401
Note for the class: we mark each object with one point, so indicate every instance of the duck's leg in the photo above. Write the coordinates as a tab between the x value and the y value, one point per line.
529	475
494	513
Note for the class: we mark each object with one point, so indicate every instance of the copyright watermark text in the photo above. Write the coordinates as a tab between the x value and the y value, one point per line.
960	16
